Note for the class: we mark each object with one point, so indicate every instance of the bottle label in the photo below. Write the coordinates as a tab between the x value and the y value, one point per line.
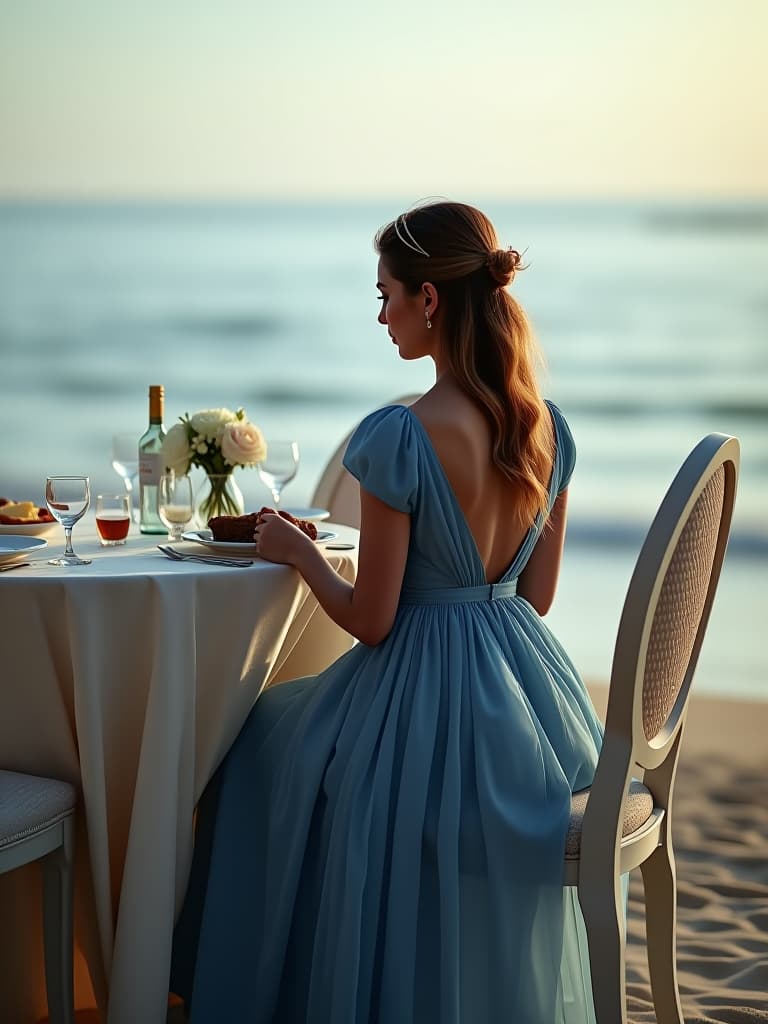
150	469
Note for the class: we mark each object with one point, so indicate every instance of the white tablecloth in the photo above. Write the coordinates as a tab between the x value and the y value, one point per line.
131	677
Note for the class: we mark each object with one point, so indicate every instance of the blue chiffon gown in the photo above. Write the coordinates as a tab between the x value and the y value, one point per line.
388	837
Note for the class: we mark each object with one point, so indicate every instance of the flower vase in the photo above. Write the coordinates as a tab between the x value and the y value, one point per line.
219	495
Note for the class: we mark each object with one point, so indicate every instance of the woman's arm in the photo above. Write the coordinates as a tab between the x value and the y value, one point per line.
537	582
367	609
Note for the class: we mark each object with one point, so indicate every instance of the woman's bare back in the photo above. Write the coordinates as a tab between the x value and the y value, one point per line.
461	437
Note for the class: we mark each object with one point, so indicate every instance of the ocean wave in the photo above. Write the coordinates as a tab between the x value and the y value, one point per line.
320	395
225	325
751	219
626	407
626	534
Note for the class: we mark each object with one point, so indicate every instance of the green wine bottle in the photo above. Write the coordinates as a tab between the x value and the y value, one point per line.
151	466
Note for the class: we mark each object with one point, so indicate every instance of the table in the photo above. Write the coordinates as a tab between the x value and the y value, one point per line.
131	677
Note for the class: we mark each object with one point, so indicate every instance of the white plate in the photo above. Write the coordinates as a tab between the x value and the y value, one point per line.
28	529
13	548
309	513
233	547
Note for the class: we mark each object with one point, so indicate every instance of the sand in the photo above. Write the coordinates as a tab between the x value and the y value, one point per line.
720	835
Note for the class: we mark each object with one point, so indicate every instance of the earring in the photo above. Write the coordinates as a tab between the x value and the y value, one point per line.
429	322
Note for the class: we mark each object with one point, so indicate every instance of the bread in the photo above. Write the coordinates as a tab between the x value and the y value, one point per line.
239	529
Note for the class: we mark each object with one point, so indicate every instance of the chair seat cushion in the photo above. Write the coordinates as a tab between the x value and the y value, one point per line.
637	811
29	804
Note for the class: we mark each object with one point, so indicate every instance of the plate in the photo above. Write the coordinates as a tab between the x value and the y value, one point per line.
233	547
28	529
309	513
14	547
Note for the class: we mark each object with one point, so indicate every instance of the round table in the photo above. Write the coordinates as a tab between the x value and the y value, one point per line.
131	677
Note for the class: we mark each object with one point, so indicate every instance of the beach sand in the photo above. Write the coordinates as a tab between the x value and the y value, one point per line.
720	836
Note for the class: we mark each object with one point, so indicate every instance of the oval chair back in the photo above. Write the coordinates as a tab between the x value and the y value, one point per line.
660	633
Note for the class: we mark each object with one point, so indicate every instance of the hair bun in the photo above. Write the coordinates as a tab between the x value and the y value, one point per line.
502	265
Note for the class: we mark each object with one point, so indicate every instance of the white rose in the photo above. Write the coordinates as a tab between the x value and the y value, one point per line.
176	451
209	423
242	444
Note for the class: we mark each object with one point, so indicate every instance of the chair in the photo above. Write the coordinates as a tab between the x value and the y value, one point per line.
621	823
37	823
337	490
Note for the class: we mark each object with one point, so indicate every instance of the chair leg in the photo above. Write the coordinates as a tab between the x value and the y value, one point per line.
660	888
602	908
58	885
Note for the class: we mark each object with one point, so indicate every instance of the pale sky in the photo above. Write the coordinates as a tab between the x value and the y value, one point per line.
348	98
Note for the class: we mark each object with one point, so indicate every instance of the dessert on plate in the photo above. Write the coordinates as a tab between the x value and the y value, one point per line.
240	529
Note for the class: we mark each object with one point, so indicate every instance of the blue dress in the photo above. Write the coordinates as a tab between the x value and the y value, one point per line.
387	842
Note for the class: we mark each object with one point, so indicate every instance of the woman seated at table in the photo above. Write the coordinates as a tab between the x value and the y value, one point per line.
388	837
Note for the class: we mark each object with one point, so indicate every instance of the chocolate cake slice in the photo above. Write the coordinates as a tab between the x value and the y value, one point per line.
239	529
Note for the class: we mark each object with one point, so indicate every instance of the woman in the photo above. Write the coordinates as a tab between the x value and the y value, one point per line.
388	839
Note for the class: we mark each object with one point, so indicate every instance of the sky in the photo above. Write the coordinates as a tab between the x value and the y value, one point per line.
351	99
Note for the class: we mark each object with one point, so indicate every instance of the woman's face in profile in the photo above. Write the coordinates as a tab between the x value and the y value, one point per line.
403	316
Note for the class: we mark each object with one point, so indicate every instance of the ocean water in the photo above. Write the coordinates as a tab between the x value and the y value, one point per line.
653	319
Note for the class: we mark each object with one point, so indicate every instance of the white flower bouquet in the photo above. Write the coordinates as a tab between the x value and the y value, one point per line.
217	440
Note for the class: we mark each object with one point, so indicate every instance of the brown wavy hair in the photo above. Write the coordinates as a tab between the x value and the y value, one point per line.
488	343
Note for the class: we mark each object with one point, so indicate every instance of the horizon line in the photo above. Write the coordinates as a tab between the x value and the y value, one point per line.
225	198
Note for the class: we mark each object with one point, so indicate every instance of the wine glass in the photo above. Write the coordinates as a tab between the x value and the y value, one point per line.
174	503
68	498
279	466
125	461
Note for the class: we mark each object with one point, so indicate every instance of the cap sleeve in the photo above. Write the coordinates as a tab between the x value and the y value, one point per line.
382	455
565	458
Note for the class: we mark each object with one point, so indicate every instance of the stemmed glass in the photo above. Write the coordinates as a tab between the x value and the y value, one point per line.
174	503
125	461
279	466
68	498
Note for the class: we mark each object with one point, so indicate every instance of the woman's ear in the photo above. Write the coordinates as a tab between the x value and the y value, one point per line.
429	292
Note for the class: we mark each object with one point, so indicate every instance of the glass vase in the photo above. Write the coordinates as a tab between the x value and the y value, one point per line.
219	495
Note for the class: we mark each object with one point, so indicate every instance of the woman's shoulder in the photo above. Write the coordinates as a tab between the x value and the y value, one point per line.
381	426
382	456
447	408
565	446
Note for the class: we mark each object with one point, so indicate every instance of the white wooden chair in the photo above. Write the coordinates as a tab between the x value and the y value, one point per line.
337	490
621	823
37	823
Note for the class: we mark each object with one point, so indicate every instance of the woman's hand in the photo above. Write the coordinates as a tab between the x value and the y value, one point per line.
367	609
277	540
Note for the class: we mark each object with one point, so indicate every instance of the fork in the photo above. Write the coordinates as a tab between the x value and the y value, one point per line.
179	556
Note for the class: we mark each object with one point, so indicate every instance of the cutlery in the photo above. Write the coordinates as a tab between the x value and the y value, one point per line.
13	565
179	556
341	546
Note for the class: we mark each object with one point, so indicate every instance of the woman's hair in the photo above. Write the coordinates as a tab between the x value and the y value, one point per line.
488	344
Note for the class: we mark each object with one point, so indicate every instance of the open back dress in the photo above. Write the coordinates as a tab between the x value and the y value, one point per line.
388	838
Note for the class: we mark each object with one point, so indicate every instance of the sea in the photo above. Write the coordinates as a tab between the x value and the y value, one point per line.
652	317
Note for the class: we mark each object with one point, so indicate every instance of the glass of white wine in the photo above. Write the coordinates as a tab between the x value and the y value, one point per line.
68	498
174	503
279	466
